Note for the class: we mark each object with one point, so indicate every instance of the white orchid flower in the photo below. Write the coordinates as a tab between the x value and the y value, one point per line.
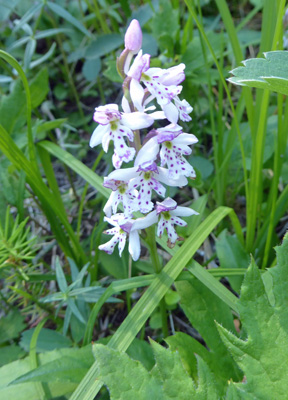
114	125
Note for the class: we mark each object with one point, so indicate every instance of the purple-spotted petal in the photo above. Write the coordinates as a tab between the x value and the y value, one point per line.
163	176
105	114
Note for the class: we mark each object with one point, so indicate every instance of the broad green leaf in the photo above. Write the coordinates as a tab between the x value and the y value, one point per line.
13	105
231	254
11	326
104	44
27	391
64	369
49	125
10	353
263	355
264	73
91	69
48	340
165	21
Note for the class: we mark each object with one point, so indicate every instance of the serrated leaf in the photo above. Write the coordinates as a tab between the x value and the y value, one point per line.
10	353
263	356
264	73
128	379
175	381
202	308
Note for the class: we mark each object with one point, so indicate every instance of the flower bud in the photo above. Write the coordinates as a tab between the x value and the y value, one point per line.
133	37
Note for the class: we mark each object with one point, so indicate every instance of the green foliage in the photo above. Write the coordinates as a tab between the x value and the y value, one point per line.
168	379
262	356
264	73
76	293
11	326
202	308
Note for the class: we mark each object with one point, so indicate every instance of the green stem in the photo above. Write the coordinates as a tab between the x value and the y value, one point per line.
151	241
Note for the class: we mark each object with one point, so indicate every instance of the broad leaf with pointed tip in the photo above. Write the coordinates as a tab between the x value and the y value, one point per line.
264	315
265	73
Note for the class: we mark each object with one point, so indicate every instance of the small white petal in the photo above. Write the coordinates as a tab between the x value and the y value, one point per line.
137	120
171	112
148	220
124	174
137	94
134	245
157	114
163	176
183	212
98	134
125	105
148	152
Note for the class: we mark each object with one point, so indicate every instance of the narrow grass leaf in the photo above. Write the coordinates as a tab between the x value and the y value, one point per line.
68	17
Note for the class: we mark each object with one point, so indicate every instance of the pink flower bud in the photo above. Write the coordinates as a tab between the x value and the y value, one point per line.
133	37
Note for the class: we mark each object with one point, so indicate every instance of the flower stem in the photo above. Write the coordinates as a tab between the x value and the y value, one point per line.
151	241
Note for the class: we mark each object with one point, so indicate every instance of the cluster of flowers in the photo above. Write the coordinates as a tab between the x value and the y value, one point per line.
133	187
